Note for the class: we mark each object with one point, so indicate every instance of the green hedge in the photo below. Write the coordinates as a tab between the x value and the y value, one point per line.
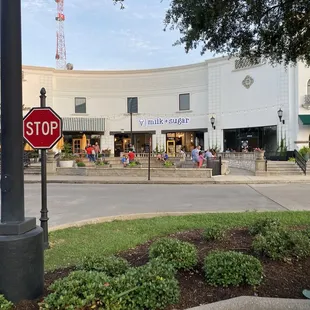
262	226
152	287
214	233
232	268
5	304
110	265
182	255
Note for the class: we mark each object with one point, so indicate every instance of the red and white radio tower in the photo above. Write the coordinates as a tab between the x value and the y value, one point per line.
61	61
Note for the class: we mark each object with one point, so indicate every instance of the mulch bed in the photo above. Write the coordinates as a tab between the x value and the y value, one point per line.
282	279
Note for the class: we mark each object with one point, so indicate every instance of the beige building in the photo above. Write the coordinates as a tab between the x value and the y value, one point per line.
173	106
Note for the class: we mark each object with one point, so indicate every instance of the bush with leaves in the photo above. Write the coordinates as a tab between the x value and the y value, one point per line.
263	226
232	268
156	286
110	265
5	304
282	244
182	255
152	287
214	233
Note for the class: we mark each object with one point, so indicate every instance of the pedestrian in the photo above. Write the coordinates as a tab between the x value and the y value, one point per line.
195	156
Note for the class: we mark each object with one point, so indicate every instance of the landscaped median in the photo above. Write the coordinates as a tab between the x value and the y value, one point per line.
177	262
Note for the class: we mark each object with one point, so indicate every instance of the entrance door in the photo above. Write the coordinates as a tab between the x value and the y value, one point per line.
171	148
76	145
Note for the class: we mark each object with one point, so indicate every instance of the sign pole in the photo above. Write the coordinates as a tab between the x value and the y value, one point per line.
149	164
21	241
44	211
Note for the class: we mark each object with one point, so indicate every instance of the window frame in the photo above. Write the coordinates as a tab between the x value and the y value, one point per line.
128	109
189	101
75	105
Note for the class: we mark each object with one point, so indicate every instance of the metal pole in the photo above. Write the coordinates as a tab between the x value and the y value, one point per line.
44	218
12	170
131	138
149	163
21	241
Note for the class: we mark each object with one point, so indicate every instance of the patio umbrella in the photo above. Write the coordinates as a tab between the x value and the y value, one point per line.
60	143
28	148
83	142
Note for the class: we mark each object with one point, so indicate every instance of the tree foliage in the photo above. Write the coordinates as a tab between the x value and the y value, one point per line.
278	30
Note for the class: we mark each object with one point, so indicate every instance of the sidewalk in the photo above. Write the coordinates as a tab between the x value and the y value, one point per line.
224	179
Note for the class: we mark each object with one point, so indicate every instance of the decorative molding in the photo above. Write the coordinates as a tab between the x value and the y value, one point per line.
248	82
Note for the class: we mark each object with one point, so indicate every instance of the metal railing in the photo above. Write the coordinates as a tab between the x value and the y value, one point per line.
300	161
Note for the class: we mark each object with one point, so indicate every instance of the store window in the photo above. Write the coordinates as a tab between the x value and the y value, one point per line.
132	105
184	102
80	105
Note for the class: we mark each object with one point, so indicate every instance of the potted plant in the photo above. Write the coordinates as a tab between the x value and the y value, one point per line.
259	153
304	152
66	157
103	163
134	164
107	152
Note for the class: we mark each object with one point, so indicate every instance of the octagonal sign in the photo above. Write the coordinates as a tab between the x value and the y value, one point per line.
42	128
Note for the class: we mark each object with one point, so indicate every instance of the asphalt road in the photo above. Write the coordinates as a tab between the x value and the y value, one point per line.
70	203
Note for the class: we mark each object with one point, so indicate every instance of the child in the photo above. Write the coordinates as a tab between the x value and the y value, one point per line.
125	161
200	159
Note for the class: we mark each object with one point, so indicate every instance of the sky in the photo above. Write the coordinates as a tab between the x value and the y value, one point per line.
100	36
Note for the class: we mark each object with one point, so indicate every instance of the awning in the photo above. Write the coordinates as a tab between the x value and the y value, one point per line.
83	124
305	118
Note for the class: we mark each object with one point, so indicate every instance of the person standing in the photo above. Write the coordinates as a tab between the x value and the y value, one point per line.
195	156
97	150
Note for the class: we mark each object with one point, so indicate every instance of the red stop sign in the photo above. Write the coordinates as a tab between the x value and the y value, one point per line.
42	128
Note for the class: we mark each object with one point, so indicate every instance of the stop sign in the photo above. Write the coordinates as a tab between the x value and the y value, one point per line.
42	128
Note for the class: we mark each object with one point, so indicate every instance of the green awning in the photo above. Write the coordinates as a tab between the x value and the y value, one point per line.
305	118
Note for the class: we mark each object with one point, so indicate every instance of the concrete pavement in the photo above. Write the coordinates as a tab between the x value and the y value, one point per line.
223	179
69	203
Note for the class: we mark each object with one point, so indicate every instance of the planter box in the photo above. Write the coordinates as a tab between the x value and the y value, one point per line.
66	163
194	173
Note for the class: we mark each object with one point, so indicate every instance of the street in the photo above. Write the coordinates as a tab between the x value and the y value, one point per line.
70	203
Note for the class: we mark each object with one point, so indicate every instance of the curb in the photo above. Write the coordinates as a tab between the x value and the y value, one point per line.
170	182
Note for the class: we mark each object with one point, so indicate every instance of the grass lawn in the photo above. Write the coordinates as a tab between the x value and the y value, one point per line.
70	245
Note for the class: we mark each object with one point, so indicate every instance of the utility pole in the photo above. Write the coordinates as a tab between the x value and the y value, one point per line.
21	241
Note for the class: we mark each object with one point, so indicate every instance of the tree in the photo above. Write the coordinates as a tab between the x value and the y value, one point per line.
277	30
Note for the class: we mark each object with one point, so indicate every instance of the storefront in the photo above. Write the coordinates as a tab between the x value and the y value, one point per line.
242	139
183	140
123	141
74	128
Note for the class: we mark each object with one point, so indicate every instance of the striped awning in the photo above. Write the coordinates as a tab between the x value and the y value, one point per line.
83	124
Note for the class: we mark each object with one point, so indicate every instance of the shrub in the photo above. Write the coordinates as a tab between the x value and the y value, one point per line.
5	304
214	233
155	283
80	164
152	287
182	255
78	290
232	268
110	265
264	225
282	244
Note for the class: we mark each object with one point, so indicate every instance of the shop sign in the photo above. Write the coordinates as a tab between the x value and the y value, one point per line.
164	121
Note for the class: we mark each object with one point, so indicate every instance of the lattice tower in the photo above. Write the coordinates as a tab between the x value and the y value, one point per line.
61	61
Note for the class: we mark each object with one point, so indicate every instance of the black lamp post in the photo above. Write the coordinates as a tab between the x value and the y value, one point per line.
280	115
212	119
21	241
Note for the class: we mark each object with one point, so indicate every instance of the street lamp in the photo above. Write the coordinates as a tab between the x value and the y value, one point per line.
280	115
212	119
21	241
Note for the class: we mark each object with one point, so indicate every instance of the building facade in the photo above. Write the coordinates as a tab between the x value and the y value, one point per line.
173	107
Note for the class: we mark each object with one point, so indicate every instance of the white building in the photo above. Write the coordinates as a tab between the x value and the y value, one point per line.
174	105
